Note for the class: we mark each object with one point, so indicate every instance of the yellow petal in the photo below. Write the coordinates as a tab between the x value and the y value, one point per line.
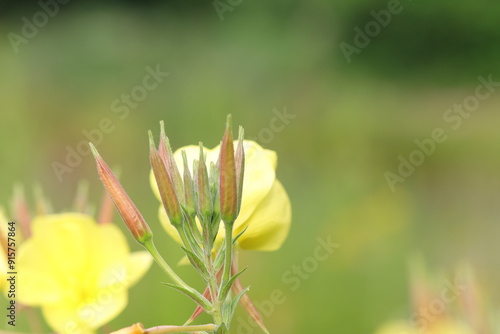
55	258
396	327
269	225
84	318
38	283
85	284
109	247
62	239
259	177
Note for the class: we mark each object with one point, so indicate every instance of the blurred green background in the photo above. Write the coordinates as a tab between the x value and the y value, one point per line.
351	122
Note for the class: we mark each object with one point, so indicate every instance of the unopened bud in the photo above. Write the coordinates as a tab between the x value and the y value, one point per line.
227	185
204	199
165	185
189	204
127	209
167	156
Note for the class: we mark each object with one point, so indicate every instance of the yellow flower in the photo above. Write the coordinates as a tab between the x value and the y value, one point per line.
438	326
265	207
77	271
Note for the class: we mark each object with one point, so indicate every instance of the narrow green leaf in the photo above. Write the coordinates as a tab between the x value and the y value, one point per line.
226	287
187	293
239	235
236	300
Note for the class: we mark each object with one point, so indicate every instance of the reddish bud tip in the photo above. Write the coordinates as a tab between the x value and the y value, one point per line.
227	185
165	151
165	185
202	187
127	209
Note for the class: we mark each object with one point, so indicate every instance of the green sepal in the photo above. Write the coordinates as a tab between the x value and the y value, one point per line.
229	308
190	294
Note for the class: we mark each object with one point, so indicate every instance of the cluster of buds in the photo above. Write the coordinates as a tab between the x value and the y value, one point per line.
210	193
195	202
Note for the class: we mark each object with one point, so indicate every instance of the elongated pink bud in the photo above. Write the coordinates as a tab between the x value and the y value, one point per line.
189	198
165	151
128	211
165	185
204	198
227	185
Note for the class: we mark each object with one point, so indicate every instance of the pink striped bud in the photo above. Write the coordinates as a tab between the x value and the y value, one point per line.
128	211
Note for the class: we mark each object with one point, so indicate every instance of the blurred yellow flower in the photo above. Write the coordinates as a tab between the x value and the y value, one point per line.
77	271
265	207
442	326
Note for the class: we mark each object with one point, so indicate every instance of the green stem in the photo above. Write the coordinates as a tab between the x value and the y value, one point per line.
212	283
180	329
229	251
202	301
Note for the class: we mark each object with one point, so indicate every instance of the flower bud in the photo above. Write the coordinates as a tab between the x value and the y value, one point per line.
202	188
227	185
167	156
137	328
127	209
165	185
214	187
189	204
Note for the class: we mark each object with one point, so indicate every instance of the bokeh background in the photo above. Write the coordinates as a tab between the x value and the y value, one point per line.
351	123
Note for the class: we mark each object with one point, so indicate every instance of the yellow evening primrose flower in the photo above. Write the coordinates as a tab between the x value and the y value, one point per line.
439	326
265	207
77	271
